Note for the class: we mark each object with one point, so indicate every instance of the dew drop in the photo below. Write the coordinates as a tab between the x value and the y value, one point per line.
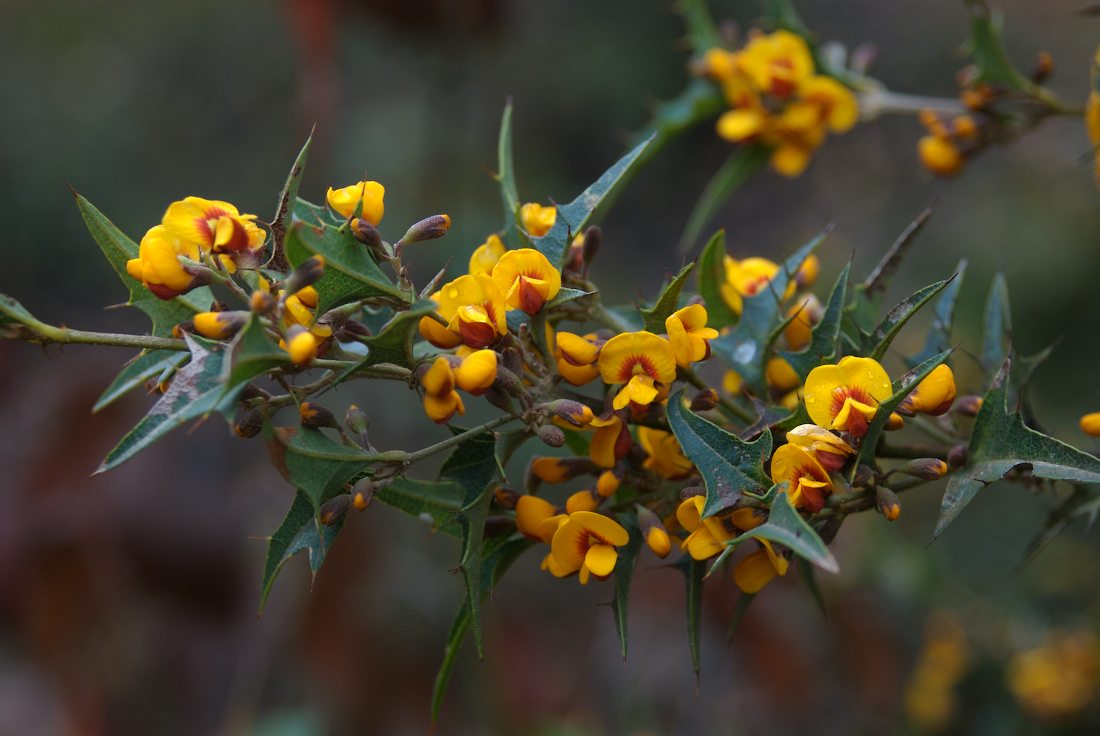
810	399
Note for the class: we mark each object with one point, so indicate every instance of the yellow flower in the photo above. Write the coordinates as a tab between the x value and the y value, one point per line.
486	255
934	395
665	458
846	396
732	383
437	334
688	334
828	449
939	155
474	309
804	314
441	401
707	537
835	103
536	219
748	278
641	360
219	325
607	484
807	482
582	501
553	469
1090	423
212	226
1058	678
346	200
807	273
576	357
756	570
586	543
477	371
780	375
658	541
536	518
158	265
611	442
302	345
526	279
777	63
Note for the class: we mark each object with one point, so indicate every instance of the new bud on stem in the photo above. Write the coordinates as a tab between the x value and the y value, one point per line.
334	509
429	228
306	274
316	416
928	468
551	435
887	503
248	424
368	235
705	400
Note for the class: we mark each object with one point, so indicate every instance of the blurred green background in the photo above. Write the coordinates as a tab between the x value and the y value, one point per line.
127	601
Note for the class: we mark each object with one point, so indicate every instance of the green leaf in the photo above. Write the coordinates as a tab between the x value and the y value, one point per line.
878	342
806	570
711	275
1080	504
495	564
574	217
299	531
506	177
140	369
939	334
997	326
999	442
702	31
439	501
728	464
740	609
474	468
284	210
745	348
667	302
745	162
315	464
867	300
350	271
694	572
315	214
394	342
902	388
196	390
567	295
787	527
991	61
826	334
252	353
624	575
700	100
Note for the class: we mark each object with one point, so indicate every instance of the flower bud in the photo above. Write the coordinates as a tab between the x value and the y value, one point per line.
559	469
551	435
334	509
363	494
807	272
316	416
593	239
865	477
607	484
248	424
301	344
262	302
573	412
705	400
689	491
367	234
505	497
429	228
584	500
939	155
219	325
352	330
928	468
361	501
887	503
306	274
653	531
969	406
1090	424
358	423
958	456
894	422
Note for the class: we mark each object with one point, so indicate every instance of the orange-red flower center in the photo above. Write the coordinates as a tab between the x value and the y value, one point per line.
631	364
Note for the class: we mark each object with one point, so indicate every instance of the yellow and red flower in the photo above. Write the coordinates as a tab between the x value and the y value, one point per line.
759	568
708	537
644	362
828	449
527	279
846	396
212	226
664	455
576	357
586	543
808	483
536	518
474	309
689	335
441	400
158	266
611	441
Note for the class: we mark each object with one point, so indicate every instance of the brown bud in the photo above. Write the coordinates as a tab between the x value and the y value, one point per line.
218	306
573	412
306	274
316	416
1043	67
505	497
958	456
705	400
894	422
262	302
249	423
367	234
690	491
969	406
363	494
353	329
334	509
361	501
551	435
512	360
887	503
593	239
928	468
429	228
865	477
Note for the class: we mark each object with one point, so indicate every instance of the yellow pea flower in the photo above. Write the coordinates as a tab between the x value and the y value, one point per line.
436	333
611	441
1090	424
748	278
474	309
346	200
688	334
586	542
780	375
441	401
158	266
536	518
212	225
219	325
665	458
934	395
582	501
807	481
642	361
536	219
1058	678
477	371
526	279
835	103
756	570
302	345
607	483
828	449
805	314
732	383
846	396
576	357
778	63
707	537
486	255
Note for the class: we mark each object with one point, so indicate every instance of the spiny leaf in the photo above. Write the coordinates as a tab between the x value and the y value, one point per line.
252	353
1000	442
315	464
1080	504
394	342
197	390
300	530
991	61
350	271
787	527
440	501
284	210
743	602
939	334
728	464
567	295
667	302
826	334
694	571
624	575
745	162
506	177
878	280
141	368
878	342
572	218
997	326
711	274
702	31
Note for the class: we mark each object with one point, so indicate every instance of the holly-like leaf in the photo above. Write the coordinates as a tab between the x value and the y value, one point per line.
439	501
744	163
997	326
878	342
624	575
315	464
196	390
252	353
826	334
144	366
999	442
496	562
350	271
991	62
667	302
939	334
299	531
394	342
740	609
506	177
567	295
284	210
745	348
902	388
315	214
1080	504
787	527
574	217
711	275
729	465
694	572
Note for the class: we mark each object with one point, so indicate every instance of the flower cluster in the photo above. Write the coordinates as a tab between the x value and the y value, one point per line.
778	98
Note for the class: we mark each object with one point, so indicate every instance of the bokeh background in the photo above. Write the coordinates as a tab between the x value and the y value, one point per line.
128	601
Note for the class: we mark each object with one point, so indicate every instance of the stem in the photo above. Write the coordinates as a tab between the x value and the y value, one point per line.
850	503
689	375
412	457
880	101
63	335
913	451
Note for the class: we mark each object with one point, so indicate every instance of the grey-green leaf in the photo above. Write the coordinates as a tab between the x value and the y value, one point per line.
315	464
826	334
624	575
787	527
939	334
744	163
711	275
299	531
284	209
878	342
667	302
997	326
